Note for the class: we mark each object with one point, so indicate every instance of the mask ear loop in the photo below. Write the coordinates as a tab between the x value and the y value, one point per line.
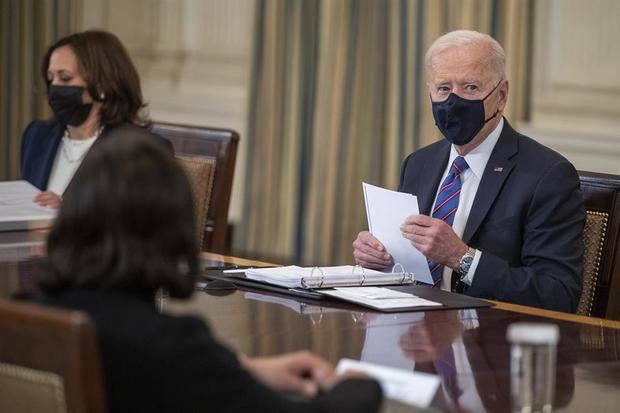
489	94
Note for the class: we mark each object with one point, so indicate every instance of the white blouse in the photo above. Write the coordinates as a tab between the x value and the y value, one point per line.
68	158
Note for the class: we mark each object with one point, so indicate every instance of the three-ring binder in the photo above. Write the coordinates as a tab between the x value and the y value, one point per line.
359	276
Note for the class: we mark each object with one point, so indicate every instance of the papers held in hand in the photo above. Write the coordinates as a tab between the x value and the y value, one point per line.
327	277
414	388
17	210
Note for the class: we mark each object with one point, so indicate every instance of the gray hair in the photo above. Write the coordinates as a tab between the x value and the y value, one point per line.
469	37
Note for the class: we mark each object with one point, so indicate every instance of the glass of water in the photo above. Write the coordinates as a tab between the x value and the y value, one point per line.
532	366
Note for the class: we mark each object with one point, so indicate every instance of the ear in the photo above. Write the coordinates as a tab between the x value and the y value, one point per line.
503	95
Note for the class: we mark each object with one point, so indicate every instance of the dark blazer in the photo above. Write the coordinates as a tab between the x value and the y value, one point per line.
40	142
527	219
154	362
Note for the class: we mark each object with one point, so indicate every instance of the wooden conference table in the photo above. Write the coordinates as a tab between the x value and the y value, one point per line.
259	323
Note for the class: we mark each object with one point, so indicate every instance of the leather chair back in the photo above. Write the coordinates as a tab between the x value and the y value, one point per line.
600	296
49	361
218	144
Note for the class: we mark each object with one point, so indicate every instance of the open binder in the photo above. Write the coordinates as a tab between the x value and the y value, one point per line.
328	277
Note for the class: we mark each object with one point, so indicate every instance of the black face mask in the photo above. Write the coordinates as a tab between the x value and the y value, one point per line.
66	103
459	119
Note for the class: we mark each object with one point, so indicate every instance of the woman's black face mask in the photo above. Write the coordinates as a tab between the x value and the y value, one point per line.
66	103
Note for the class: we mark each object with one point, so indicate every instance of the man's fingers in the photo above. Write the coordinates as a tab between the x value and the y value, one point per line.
369	252
371	261
366	238
373	252
421	220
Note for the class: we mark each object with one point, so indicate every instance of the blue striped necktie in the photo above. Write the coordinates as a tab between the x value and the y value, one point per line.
446	205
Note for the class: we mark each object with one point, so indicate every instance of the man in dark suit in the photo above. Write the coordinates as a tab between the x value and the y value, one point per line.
501	215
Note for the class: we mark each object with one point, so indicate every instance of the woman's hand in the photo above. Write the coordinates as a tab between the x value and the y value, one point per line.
301	372
48	199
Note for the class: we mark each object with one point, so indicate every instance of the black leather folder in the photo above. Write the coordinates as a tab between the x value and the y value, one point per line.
448	299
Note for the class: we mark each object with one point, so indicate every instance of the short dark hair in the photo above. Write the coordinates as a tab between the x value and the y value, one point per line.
126	221
108	70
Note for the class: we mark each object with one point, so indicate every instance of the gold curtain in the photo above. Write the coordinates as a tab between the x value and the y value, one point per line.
27	28
338	98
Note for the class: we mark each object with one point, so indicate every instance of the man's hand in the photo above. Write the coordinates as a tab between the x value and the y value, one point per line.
301	372
370	253
48	199
427	340
435	239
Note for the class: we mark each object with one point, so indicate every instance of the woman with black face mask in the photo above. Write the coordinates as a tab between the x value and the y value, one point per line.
92	87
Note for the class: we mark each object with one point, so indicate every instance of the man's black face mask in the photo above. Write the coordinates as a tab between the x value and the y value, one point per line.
459	119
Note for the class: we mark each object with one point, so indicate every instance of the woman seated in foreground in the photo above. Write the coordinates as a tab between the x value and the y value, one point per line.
126	230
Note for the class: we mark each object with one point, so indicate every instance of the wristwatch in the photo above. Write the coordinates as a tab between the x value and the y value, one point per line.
465	262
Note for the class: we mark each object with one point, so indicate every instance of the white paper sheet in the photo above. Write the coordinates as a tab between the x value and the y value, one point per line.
379	298
18	212
386	211
408	387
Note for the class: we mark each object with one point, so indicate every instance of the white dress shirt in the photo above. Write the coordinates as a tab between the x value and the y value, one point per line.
477	160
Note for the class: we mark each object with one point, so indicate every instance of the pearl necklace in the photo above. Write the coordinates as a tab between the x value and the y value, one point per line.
69	146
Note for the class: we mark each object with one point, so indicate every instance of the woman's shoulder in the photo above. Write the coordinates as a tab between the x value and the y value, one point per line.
146	128
40	129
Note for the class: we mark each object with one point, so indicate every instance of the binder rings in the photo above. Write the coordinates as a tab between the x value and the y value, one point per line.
328	277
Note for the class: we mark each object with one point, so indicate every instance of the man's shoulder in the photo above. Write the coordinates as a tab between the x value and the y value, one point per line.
536	153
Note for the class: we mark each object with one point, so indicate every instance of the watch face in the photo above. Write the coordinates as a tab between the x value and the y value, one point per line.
465	264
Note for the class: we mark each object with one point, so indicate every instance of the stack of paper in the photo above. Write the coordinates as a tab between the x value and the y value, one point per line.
17	210
386	211
326	277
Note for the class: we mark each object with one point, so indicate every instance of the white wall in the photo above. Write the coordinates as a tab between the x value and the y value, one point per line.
576	82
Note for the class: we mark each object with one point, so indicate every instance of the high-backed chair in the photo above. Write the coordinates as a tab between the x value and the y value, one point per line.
49	361
201	172
221	144
600	294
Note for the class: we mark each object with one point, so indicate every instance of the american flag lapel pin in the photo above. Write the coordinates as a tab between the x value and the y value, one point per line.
498	169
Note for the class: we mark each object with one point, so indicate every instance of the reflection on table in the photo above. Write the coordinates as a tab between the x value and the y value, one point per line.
467	348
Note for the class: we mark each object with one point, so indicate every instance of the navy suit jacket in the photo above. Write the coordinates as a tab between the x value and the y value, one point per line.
40	142
527	219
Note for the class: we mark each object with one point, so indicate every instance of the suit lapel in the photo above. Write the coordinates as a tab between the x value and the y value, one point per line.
435	165
495	174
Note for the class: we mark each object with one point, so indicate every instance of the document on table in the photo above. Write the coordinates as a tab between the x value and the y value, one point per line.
386	211
379	298
409	387
18	211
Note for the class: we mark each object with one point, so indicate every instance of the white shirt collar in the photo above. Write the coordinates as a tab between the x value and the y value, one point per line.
478	158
